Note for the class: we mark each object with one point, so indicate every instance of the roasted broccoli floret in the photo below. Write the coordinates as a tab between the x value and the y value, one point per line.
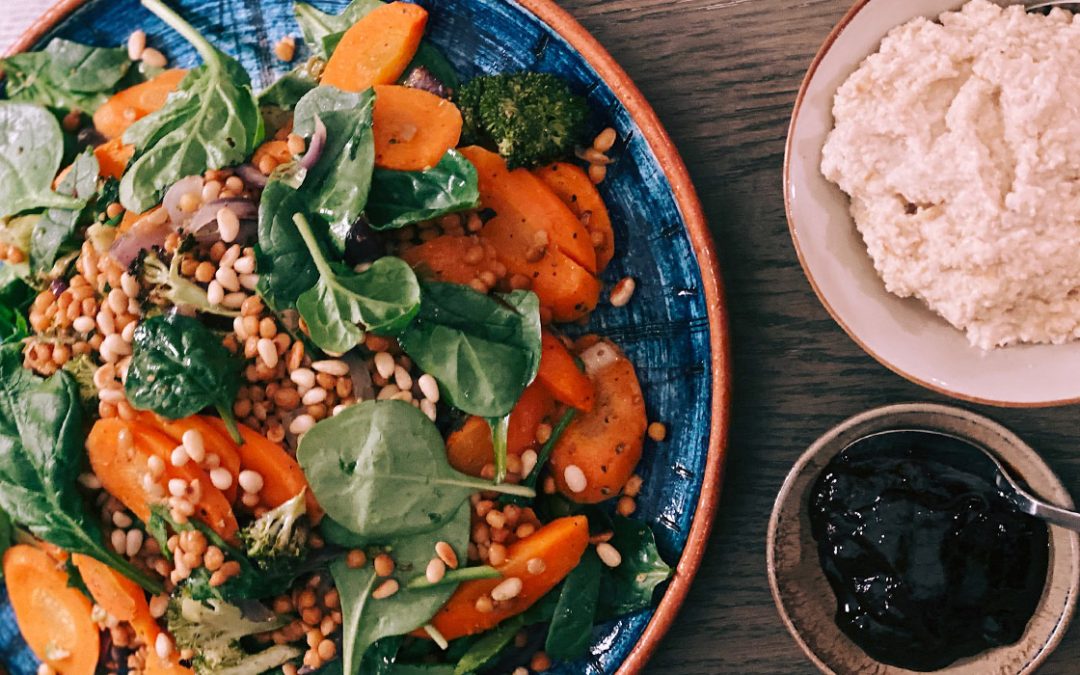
168	284
213	630
278	538
530	118
82	368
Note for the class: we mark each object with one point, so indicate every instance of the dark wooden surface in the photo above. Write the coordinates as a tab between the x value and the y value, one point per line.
723	75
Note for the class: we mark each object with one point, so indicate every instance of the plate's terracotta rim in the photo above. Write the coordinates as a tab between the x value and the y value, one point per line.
788	150
697	227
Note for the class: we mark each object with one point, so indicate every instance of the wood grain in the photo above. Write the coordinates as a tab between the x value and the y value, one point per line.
722	75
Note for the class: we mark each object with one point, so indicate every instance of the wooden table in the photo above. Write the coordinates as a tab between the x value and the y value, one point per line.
723	75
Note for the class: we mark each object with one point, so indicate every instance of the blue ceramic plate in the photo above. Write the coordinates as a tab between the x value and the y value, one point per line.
674	328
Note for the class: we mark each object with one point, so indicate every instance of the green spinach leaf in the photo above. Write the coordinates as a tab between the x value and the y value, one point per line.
570	633
285	267
431	57
288	89
31	148
178	367
55	234
367	619
489	646
323	31
629	587
15	299
65	75
211	121
400	198
384	298
41	455
379	469
483	350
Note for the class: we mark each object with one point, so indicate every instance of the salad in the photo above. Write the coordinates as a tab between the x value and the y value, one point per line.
287	376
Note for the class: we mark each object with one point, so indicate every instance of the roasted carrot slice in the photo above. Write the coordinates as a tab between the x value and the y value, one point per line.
114	592
560	375
573	186
276	150
559	544
540	217
453	258
126	107
147	628
413	128
113	158
214	441
470	449
54	618
606	442
378	47
282	477
121	463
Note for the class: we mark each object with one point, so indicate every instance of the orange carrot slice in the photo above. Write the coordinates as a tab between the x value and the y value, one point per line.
214	441
469	449
560	375
378	47
573	186
113	158
413	128
114	592
126	107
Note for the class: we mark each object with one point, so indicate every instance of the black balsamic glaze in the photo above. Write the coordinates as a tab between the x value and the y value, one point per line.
928	561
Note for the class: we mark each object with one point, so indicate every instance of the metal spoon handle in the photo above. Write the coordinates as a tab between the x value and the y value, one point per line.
1055	515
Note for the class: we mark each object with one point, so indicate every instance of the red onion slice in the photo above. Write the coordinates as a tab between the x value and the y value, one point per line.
191	185
251	175
315	146
143	235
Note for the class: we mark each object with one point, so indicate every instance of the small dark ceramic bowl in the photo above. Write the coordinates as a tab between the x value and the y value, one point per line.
806	602
674	329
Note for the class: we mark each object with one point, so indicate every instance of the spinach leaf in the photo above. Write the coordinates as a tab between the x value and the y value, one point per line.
7	536
55	234
629	587
31	147
336	188
489	646
422	669
15	299
288	89
431	57
178	367
66	75
211	121
285	267
323	31
379	469
41	455
366	619
570	633
339	535
400	198
384	298
483	350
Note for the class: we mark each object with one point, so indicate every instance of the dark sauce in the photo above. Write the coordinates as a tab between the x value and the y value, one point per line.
929	562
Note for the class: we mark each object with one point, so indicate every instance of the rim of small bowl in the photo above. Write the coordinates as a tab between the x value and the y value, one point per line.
788	152
685	196
1008	438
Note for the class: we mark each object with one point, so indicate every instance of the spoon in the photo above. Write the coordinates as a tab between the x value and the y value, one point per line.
1050	3
979	461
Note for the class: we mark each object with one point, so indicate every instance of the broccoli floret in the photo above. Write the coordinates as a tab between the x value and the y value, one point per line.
82	368
530	118
169	285
278	538
213	630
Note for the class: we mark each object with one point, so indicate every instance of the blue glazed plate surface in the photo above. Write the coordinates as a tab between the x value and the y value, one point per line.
665	330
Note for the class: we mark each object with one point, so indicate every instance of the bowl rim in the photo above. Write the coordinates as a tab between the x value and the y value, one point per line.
686	198
886	411
788	153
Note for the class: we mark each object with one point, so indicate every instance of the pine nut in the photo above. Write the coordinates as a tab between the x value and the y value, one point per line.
657	431
535	566
158	605
507	590
155	465
226	276
134	543
215	293
136	45
385	590
428	408
313	396
245	265
575	478
301	424
436	570
623	291
528	462
250	481
179	456
163	645
83	324
221	478
194	445
605	140
609	554
384	364
121	520
118	539
177	487
446	554
268	352
429	387
303	377
333	367
402	378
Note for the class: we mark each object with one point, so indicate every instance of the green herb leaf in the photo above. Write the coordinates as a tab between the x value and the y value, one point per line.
15	299
55	234
178	367
84	68
456	577
483	350
400	198
500	427
41	455
367	619
630	586
431	57
31	148
379	469
285	267
211	121
7	536
288	89
323	31
489	646
384	298
570	633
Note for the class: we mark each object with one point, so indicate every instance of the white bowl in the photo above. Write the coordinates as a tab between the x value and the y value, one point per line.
903	335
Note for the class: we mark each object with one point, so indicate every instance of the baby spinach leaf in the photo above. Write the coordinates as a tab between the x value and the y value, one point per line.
15	298
178	367
31	147
83	68
400	198
384	298
483	350
431	57
367	619
629	587
379	469
55	234
41	455
317	26
211	121
336	188
570	633
288	89
285	267
489	646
